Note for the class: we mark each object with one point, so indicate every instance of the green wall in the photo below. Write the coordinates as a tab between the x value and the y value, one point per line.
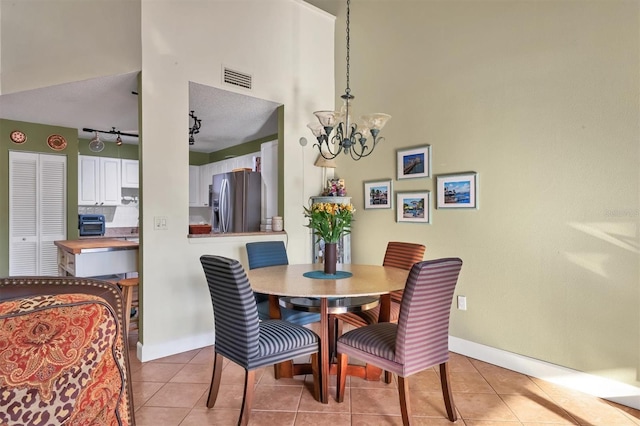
540	98
37	135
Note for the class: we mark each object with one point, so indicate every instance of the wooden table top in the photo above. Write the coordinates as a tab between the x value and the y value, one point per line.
367	280
95	245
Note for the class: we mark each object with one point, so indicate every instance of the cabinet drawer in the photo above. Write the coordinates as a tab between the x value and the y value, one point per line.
66	262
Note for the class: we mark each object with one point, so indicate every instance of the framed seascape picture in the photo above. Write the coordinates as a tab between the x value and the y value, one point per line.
413	206
414	162
457	191
377	194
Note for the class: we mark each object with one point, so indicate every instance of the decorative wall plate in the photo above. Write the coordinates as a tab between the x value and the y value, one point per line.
56	142
18	137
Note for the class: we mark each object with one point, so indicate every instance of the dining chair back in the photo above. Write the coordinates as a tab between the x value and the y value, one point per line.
266	253
242	338
64	355
273	253
418	341
399	255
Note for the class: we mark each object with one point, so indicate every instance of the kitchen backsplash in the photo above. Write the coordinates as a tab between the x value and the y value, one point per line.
115	216
199	215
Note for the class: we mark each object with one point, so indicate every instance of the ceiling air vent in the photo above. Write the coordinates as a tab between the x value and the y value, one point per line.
237	78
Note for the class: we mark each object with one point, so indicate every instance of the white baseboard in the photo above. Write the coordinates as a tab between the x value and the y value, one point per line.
149	352
601	387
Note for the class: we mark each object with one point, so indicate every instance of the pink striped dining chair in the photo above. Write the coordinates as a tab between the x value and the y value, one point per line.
400	255
419	340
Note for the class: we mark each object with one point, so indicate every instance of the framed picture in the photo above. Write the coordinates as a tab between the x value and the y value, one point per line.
377	194
457	191
414	162
413	206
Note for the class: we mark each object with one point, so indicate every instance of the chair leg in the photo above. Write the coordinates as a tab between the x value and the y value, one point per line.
315	369
405	404
343	360
128	297
339	326
215	380
446	392
388	376
335	331
247	400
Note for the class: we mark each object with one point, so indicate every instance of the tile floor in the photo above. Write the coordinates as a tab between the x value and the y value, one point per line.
173	390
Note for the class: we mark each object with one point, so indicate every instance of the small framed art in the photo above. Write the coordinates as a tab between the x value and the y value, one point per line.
457	191
413	207
414	162
377	194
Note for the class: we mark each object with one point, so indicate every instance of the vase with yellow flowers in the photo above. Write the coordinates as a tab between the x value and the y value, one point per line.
329	222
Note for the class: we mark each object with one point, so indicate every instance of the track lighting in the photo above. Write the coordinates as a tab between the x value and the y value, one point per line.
113	131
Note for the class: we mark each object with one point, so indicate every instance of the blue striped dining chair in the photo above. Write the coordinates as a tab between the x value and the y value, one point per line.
245	340
272	253
418	341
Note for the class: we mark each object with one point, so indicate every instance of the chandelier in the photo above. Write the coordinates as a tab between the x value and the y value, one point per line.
348	137
195	129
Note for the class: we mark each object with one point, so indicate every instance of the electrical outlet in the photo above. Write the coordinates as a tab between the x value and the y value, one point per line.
462	303
160	223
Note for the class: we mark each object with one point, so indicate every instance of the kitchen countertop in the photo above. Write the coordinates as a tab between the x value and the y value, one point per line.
234	234
93	245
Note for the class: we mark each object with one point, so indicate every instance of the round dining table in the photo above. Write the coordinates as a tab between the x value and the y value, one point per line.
309	280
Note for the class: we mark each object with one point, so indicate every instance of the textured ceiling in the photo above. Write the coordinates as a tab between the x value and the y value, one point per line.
228	118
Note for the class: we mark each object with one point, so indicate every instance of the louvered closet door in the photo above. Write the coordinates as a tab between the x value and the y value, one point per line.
37	212
52	218
23	213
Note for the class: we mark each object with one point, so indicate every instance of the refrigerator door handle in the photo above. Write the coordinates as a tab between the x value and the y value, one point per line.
224	206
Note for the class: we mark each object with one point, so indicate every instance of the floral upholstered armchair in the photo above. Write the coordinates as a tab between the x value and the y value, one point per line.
63	354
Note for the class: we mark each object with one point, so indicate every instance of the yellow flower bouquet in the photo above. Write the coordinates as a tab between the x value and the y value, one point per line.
330	221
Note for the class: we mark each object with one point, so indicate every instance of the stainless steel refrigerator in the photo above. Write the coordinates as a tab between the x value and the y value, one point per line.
236	201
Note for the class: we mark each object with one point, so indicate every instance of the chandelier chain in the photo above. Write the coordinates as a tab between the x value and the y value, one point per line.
348	89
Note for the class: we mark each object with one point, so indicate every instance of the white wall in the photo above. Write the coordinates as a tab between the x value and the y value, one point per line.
288	48
45	42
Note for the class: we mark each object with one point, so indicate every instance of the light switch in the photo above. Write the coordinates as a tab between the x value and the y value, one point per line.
160	223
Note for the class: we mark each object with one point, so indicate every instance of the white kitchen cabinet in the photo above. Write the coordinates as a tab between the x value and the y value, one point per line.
246	161
88	177
269	173
110	181
99	181
37	211
130	173
206	179
194	186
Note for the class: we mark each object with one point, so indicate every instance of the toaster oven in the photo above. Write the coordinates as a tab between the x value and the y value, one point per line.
91	224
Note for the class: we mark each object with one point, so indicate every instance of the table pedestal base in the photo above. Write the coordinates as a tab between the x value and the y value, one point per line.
288	369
